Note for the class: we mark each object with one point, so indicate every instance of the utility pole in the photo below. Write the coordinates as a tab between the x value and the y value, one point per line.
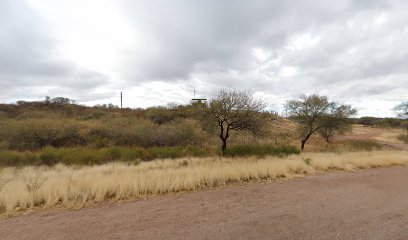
121	100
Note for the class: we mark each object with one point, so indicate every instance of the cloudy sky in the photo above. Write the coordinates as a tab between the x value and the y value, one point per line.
355	51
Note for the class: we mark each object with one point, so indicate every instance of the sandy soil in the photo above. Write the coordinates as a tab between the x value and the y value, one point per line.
367	204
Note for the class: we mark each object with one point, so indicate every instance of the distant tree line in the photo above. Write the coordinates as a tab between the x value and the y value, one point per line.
380	122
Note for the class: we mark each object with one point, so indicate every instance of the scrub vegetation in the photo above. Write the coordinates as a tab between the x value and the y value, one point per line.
57	153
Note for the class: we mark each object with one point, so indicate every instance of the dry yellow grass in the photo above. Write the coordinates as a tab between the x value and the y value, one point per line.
377	133
78	186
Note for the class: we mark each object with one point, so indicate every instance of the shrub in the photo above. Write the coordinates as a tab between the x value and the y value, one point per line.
161	115
37	133
180	133
13	158
261	150
142	133
50	157
82	156
8	158
199	151
94	156
162	152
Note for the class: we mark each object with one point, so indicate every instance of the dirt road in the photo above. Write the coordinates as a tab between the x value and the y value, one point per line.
367	204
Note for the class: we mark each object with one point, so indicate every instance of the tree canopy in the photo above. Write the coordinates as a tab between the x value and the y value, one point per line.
233	110
317	114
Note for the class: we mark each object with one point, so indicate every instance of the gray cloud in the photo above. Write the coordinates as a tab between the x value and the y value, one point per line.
28	65
353	50
360	49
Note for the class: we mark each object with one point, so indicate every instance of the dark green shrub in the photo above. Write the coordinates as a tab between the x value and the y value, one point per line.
199	151
131	154
162	152
38	133
13	158
50	156
143	133
261	150
114	153
8	158
161	115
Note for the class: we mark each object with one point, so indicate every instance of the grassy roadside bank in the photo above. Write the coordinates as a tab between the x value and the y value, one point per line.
38	187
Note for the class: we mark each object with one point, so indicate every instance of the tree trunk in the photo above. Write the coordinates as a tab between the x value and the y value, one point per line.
223	146
224	139
302	146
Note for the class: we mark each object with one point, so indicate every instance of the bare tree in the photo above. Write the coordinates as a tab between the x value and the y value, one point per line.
233	110
317	114
33	180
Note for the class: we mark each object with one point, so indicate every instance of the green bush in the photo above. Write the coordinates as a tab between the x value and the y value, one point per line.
199	151
13	158
162	152
180	133
161	115
37	133
261	150
82	156
95	156
90	156
8	158
50	157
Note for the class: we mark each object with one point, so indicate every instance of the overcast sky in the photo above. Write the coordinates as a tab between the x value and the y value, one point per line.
156	52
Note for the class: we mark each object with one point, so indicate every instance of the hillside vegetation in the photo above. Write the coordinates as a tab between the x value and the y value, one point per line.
52	132
57	153
48	133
